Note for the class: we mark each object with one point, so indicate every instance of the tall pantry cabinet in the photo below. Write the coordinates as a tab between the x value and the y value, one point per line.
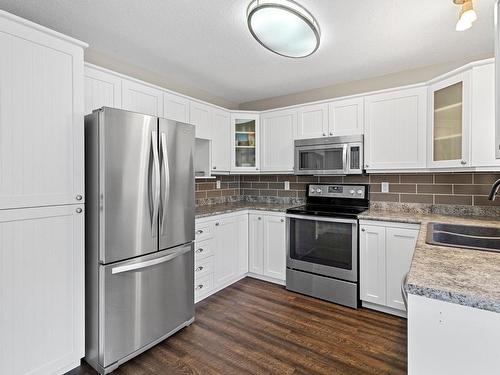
41	199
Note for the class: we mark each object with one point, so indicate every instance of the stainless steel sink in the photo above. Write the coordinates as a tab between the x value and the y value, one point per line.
465	236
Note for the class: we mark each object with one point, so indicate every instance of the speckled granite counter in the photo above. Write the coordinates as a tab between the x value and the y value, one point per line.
462	276
224	208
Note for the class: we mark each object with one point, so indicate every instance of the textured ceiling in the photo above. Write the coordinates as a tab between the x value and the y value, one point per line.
206	43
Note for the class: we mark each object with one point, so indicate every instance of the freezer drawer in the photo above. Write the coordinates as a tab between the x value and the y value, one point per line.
143	300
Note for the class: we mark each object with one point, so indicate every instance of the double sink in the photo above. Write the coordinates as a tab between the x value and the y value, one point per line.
464	236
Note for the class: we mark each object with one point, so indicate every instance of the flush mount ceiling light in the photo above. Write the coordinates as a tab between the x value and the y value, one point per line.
283	27
467	14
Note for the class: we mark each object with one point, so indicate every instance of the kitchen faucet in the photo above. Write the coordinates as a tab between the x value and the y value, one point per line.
494	190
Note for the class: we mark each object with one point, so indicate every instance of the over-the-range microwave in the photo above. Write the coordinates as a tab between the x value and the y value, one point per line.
329	155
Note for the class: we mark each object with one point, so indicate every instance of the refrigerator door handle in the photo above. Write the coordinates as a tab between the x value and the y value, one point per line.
149	263
156	185
166	171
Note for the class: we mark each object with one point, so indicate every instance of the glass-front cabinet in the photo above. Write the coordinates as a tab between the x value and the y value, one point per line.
245	142
450	121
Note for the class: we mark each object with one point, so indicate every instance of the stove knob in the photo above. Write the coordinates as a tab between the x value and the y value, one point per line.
360	192
318	191
351	192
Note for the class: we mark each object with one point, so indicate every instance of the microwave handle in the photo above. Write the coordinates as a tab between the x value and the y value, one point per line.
346	157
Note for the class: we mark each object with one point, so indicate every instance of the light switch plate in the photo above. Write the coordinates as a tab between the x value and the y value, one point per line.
385	187
287	185
217	184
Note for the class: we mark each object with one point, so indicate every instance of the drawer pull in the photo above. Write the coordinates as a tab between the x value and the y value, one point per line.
198	287
198	269
200	250
217	224
199	231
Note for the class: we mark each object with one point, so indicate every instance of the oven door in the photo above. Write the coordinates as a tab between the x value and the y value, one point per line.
321	159
323	245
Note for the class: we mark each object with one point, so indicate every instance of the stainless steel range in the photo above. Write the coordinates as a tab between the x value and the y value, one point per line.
323	245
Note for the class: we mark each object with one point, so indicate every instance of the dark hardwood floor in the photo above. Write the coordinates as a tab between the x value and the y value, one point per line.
254	327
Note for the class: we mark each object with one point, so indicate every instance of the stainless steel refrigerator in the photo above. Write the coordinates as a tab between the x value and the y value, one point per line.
139	233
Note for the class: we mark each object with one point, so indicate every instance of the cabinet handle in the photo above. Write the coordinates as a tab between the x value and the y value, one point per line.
199	231
216	224
463	162
256	169
324	134
282	220
259	218
198	269
331	133
363	229
198	287
78	210
79	197
367	166
199	251
214	167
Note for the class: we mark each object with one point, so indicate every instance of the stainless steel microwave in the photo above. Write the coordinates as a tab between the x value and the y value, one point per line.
329	155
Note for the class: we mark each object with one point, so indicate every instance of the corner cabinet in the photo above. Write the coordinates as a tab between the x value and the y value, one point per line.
278	131
449	121
395	129
245	142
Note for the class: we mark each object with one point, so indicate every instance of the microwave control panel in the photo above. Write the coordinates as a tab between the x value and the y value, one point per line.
337	191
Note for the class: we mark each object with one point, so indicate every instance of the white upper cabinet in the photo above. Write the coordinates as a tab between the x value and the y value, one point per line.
483	117
175	107
221	141
102	89
245	142
200	115
312	121
346	117
449	121
277	140
142	98
395	129
41	117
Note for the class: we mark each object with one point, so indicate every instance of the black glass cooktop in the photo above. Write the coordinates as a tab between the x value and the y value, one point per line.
326	210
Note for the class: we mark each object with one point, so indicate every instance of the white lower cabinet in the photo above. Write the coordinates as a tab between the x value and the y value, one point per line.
386	250
41	289
267	245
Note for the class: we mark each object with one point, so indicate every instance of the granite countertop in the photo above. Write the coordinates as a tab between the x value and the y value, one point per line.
463	276
224	208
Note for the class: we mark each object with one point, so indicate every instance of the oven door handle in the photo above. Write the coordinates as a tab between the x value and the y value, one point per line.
322	218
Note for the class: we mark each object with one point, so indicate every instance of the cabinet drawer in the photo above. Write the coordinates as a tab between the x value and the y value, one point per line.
203	249
203	267
203	287
203	231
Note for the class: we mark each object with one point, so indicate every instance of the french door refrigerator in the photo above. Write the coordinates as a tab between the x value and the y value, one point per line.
139	233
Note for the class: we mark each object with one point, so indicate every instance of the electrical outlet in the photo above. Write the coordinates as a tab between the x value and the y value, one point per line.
217	184
287	185
385	187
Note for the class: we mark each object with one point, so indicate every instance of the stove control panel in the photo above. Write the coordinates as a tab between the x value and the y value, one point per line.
338	191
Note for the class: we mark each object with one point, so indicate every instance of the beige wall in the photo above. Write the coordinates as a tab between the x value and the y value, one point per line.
100	59
357	87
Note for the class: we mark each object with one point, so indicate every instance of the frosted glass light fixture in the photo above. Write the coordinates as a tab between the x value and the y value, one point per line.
467	14
284	27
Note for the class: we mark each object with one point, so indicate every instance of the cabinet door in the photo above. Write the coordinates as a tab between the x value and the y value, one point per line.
275	247
277	136
372	264
242	222
483	117
226	251
449	121
312	121
102	89
400	245
255	244
345	117
395	129
41	289
175	107
41	120
141	98
221	141
245	142
200	115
